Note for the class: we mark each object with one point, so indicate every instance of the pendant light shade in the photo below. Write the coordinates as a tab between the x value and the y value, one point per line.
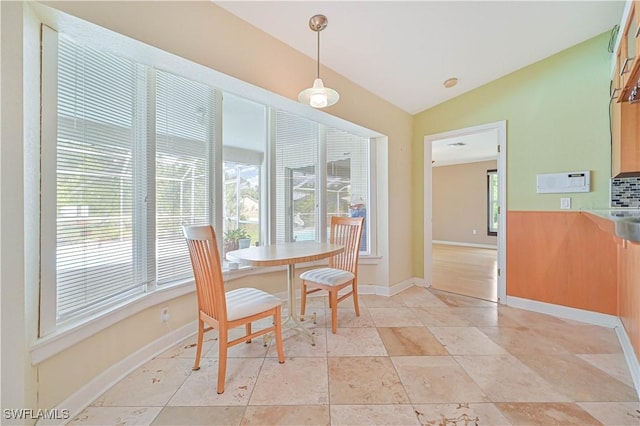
318	96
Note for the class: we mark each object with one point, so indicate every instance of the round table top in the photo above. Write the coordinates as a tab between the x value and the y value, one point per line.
284	253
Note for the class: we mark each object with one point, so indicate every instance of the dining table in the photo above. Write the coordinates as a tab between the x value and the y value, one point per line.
289	254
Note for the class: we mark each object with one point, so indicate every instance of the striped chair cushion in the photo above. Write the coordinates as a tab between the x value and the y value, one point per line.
244	302
327	276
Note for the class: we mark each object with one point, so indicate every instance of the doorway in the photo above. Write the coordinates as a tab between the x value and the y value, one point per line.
462	220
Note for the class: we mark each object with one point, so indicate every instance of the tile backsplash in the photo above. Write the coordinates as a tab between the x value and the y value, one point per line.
625	192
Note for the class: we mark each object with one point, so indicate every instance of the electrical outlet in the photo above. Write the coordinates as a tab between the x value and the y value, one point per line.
475	232
565	203
164	314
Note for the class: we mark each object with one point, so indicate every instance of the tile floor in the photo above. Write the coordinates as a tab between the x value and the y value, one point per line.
422	357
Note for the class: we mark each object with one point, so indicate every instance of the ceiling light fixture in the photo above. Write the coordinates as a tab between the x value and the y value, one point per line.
318	96
450	82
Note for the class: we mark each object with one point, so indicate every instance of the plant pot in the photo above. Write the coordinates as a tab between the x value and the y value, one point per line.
244	243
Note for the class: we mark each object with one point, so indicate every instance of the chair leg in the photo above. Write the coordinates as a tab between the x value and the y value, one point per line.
303	299
333	302
196	364
356	303
223	340
248	328
278	324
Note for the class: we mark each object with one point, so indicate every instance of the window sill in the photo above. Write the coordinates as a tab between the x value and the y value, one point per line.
61	339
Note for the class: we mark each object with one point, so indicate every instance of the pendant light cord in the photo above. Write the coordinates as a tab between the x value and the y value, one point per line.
318	66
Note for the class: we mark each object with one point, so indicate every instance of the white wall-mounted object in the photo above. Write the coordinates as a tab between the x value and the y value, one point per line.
555	183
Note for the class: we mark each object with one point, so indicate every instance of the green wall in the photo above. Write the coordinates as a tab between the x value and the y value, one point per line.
557	120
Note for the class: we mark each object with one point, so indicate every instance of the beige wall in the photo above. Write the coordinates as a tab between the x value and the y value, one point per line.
205	34
459	197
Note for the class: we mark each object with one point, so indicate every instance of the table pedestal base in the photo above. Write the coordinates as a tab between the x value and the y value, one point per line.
291	322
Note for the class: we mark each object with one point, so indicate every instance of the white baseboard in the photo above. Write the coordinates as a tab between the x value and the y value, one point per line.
82	398
589	317
575	314
456	243
382	290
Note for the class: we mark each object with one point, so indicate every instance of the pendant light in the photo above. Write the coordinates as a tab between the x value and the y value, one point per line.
318	96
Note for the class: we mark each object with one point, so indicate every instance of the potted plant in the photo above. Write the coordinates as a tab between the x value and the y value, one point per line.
232	238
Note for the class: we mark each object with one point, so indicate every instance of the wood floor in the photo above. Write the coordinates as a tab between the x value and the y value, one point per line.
469	271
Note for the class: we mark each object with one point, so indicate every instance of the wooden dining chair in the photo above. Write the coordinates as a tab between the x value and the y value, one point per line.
222	310
342	270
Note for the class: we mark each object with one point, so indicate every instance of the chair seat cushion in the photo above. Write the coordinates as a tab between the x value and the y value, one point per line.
327	276
244	302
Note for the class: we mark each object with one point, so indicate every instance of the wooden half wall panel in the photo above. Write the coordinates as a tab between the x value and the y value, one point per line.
563	258
629	291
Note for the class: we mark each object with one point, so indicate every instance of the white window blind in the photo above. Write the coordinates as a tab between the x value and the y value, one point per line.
184	145
96	144
134	162
347	178
296	144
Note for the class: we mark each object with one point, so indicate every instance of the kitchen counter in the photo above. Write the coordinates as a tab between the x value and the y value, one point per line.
625	221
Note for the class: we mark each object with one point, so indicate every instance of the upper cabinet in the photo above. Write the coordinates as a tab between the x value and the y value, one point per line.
625	106
628	57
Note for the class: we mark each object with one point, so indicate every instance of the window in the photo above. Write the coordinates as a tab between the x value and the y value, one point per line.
244	136
321	172
492	202
130	153
133	163
347	178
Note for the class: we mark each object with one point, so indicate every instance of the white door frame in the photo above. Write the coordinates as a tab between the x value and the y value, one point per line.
501	148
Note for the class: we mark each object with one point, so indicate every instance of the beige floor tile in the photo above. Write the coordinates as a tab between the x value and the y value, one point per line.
440	317
613	364
150	385
466	341
532	319
377	301
614	413
460	414
430	379
201	416
299	381
578	379
416	297
583	339
370	415
364	380
200	389
138	416
347	316
293	415
546	414
394	317
355	342
187	348
297	344
505	378
459	301
523	340
390	366
486	317
410	341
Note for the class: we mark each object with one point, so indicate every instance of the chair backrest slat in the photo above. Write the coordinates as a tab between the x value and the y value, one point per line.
207	270
348	232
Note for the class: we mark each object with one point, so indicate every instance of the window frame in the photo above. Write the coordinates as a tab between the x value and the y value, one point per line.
54	338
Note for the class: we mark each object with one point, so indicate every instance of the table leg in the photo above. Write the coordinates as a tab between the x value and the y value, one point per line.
291	316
